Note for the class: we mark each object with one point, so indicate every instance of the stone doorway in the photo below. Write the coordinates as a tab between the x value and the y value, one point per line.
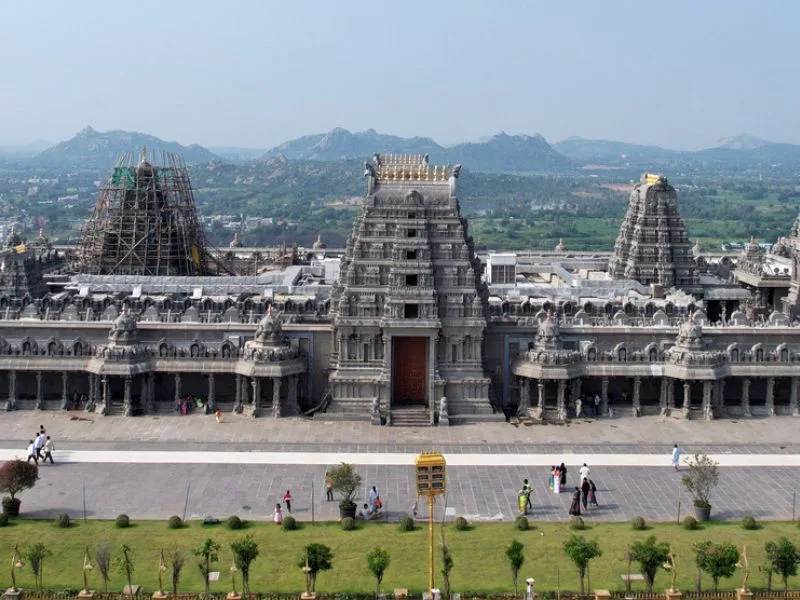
409	369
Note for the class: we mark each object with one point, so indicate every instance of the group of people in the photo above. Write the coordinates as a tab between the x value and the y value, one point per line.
585	495
277	514
41	447
373	508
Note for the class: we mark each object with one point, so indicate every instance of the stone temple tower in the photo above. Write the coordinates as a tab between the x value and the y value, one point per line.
409	308
652	246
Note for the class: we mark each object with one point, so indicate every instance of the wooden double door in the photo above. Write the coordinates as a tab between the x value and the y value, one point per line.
409	369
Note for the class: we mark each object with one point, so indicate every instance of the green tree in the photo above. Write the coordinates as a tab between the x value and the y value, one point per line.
378	561
175	560
581	551
717	560
516	558
319	558
209	554
702	478
35	555
16	476
784	558
125	566
650	554
245	551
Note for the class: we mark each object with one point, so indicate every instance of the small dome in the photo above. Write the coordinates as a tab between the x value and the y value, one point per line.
269	330
318	243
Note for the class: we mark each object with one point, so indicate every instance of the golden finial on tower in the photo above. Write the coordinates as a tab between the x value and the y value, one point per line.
444	173
419	173
427	173
403	173
436	173
396	174
143	155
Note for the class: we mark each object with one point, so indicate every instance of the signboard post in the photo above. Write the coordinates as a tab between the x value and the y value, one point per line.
431	482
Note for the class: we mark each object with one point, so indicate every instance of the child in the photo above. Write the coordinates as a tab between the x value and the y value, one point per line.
287	499
592	493
218	415
277	516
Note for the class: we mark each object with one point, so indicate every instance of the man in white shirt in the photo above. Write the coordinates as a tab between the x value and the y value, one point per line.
676	456
32	452
584	472
41	438
49	446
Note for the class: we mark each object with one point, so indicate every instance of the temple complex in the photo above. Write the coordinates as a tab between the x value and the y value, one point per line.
405	326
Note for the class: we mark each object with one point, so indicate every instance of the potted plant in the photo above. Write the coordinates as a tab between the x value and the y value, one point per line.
702	478
346	481
16	476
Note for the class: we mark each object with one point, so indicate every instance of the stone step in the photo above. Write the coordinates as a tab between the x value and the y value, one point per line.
411	417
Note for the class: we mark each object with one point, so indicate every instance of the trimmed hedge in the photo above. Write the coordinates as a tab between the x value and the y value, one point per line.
461	524
3	519
289	523
577	523
638	523
521	523
406	523
62	520
234	522
689	522
749	522
175	522
123	521
348	524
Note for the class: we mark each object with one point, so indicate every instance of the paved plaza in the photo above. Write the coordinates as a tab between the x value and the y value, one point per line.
144	467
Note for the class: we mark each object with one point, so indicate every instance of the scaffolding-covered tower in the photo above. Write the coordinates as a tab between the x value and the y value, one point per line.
145	222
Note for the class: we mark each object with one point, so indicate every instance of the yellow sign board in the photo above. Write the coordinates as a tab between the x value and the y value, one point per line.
431	474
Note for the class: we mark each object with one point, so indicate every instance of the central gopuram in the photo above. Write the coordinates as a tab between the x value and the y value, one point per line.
409	308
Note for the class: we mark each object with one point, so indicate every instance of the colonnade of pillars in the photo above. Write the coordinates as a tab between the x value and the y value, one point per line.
100	393
712	399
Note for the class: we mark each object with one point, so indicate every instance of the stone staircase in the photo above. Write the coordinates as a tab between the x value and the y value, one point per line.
411	416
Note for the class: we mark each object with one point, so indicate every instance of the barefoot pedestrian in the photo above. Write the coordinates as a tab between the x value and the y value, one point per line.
277	514
49	446
287	500
676	456
32	452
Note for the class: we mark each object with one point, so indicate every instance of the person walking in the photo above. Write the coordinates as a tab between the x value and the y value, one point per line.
557	481
32	452
584	472
676	457
218	415
277	514
527	489
575	507
287	500
592	494
563	470
373	497
551	479
40	439
596	405
49	446
328	486
585	489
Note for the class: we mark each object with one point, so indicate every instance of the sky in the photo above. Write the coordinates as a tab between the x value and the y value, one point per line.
680	74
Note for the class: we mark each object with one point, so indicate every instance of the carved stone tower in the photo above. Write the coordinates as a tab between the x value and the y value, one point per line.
652	246
409	308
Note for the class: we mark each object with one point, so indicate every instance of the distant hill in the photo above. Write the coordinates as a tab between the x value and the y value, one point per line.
92	150
500	153
743	141
612	153
23	150
236	154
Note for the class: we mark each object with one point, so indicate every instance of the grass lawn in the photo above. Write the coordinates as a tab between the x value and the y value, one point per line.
480	564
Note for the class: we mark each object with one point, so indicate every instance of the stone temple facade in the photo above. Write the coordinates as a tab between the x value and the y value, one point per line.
652	246
408	326
409	310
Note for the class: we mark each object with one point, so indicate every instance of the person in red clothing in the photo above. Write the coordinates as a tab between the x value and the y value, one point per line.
287	499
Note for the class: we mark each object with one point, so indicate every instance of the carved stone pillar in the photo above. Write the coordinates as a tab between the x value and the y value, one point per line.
637	400
11	403
144	389
560	400
211	403
177	392
576	388
746	397
64	390
539	410
292	404
237	402
152	407
721	397
708	409
670	394
276	398
603	397
687	397
524	396
127	406
770	398
105	395
793	408
662	397
39	391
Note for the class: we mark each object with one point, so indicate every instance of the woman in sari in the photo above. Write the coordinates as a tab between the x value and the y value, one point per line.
563	470
575	507
556	481
592	493
550	478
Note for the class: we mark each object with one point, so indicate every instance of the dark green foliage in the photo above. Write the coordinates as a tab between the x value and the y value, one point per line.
234	522
581	551
406	523
515	553
521	523
289	523
175	522
689	522
638	523
461	524
651	555
783	557
123	521
16	476
749	522
62	520
718	560
348	524
318	557
3	519
577	523
245	551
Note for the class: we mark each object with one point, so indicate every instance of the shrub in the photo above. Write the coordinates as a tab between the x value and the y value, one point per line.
348	524
577	523
638	523
17	476
234	522
174	522
461	524
62	520
406	523
3	519
289	523
749	522
123	521
521	523
690	522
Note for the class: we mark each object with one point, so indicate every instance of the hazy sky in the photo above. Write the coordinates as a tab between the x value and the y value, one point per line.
680	73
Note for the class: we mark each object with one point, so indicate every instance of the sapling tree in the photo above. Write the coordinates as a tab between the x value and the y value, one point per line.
208	553
581	551
516	558
783	558
245	551
378	561
651	555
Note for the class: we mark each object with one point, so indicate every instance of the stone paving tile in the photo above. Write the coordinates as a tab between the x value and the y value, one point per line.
481	493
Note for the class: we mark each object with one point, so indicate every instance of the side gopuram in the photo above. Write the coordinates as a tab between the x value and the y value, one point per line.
653	247
409	307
